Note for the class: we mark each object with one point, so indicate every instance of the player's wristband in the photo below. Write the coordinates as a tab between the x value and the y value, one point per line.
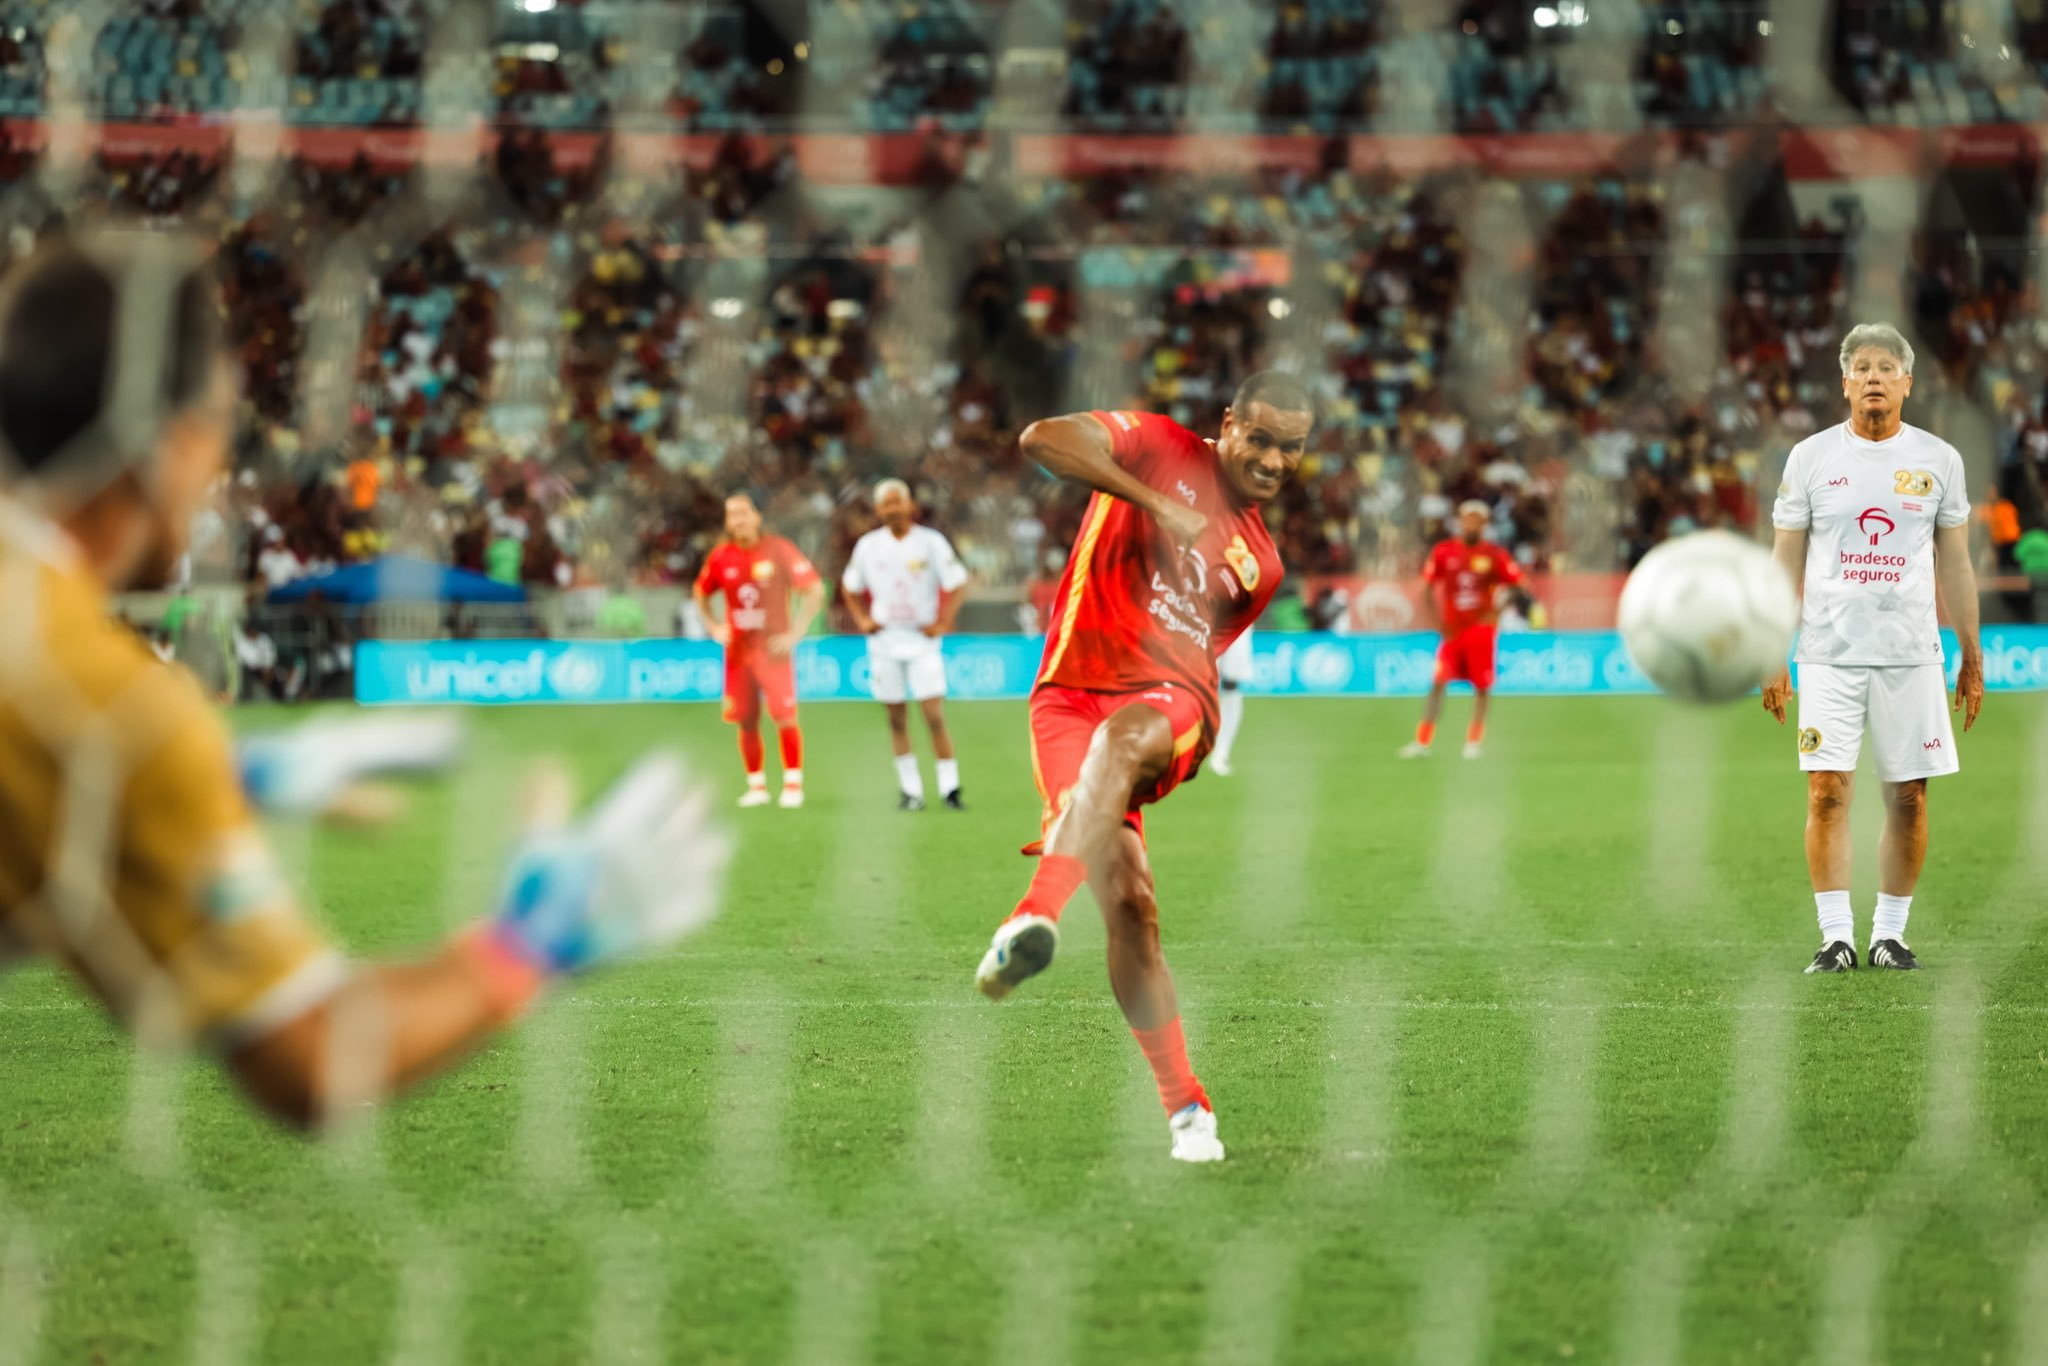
511	976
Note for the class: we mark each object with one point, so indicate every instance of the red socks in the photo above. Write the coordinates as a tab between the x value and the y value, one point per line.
1166	1048
752	754
1053	885
792	746
1425	731
1475	732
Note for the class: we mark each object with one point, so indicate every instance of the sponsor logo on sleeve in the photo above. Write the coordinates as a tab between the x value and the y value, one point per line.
1809	740
1243	562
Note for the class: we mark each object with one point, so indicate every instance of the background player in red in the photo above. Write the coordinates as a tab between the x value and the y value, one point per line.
759	577
1461	586
1172	563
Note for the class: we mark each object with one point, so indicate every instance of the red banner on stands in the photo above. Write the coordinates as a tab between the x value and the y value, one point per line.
1081	154
1853	152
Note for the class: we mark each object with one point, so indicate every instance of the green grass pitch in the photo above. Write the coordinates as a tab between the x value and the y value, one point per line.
1514	1060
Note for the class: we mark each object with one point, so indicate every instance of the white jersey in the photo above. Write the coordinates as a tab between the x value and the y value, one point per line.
905	577
1869	509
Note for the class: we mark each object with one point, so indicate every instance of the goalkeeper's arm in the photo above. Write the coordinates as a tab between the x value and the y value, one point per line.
640	871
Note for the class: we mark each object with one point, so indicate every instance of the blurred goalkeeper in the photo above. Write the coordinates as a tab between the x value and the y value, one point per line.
127	847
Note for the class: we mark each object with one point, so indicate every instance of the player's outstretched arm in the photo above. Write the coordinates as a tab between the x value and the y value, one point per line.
641	870
328	767
1077	447
1788	548
1956	581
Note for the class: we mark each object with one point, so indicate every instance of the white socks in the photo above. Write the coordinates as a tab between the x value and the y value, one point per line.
758	780
1890	920
908	778
1233	717
949	776
792	777
1837	921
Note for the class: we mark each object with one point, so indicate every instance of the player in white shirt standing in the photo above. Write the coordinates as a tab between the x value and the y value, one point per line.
1233	671
912	580
1871	518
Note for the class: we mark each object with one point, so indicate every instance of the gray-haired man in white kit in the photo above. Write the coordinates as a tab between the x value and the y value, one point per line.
1871	519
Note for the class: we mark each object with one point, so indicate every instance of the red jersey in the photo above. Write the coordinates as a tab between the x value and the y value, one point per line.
1133	609
757	581
1465	579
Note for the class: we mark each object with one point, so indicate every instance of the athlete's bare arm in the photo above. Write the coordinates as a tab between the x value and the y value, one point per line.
1077	447
949	610
1789	550
389	1027
866	624
804	606
1956	581
716	628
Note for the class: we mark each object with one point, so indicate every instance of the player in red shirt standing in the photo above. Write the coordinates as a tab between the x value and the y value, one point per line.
1172	563
1461	586
759	576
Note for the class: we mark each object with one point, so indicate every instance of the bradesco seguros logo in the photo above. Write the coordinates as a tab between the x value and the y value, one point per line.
1875	522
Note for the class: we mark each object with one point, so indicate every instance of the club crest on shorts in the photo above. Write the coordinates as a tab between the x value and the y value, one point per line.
1809	740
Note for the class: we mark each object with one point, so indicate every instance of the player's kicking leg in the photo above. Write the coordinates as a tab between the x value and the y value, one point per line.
944	761
754	758
1425	729
1129	751
1901	850
1827	864
909	782
1476	732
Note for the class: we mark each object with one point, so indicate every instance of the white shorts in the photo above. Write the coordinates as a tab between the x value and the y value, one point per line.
1904	707
905	669
1234	665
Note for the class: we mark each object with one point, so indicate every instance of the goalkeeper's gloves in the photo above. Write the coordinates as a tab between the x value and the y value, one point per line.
308	769
640	870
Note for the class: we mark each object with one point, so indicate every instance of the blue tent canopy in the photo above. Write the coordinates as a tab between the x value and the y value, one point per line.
398	578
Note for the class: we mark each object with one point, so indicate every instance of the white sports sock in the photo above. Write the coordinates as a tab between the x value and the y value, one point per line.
792	777
1837	920
757	778
1890	920
949	776
908	778
1233	717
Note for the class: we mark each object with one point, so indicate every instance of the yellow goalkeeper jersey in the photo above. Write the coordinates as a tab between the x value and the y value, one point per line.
127	851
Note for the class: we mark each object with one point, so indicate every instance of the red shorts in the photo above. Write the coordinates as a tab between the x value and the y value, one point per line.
1468	655
754	676
1063	722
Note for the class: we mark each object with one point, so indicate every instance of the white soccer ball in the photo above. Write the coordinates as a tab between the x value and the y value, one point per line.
1707	617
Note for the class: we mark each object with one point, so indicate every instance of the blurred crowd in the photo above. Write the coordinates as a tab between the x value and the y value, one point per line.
1477	66
550	373
558	397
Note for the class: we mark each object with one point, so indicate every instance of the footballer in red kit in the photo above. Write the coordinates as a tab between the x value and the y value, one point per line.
771	595
1461	586
1172	563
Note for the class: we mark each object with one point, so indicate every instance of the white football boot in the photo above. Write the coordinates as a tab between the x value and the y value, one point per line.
1414	750
1022	948
754	796
1194	1135
1471	749
790	800
1219	766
